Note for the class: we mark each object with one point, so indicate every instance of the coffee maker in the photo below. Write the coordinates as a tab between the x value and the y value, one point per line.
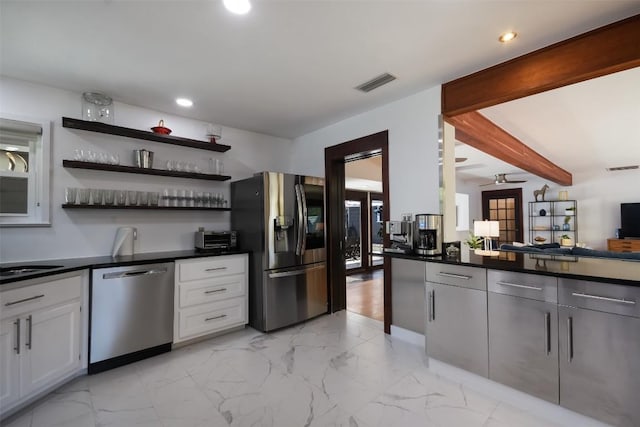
401	235
427	234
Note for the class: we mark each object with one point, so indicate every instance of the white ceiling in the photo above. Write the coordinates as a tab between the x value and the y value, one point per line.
588	126
286	68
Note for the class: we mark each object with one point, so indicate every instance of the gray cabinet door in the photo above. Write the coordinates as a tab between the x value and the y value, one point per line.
523	345
456	330
600	365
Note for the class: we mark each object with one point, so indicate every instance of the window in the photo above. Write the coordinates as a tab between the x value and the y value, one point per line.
24	171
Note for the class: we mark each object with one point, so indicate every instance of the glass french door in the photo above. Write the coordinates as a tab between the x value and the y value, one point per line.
353	246
504	206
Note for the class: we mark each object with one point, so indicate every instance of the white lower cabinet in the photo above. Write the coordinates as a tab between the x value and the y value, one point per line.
40	338
210	296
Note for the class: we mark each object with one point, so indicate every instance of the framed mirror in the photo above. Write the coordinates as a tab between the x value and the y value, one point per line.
25	156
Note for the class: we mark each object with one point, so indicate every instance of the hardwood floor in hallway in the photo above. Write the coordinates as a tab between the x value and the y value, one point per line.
365	294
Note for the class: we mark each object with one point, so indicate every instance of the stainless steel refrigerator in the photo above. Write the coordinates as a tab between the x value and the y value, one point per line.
280	218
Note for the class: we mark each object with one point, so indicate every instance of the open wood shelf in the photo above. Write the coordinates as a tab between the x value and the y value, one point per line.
99	127
144	171
159	208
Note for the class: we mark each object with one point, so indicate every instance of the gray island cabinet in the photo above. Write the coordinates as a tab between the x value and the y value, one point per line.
565	332
523	332
456	331
599	330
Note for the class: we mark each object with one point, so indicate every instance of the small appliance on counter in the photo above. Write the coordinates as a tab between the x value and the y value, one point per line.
124	242
427	234
215	240
401	236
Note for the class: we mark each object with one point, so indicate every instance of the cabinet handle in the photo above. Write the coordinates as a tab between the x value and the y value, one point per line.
569	339
547	332
29	331
432	306
215	290
455	276
620	300
17	347
23	300
215	317
515	285
216	269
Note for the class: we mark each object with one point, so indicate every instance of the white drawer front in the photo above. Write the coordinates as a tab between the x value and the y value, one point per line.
29	298
206	291
198	269
214	317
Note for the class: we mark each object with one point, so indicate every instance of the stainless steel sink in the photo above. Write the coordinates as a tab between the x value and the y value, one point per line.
25	269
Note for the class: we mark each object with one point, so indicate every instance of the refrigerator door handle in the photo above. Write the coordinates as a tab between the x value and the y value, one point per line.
293	272
300	219
305	225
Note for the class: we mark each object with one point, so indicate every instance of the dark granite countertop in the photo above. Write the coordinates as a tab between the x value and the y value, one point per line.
74	264
624	272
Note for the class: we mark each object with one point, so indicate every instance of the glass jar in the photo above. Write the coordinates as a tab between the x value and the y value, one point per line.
97	107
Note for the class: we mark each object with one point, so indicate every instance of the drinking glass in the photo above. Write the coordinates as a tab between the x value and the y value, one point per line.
190	199
182	198
78	154
109	197
120	197
153	197
70	195
173	197
96	196
132	198
206	200
199	199
143	198
84	195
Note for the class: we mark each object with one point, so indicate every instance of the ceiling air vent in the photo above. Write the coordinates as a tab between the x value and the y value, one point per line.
376	82
623	168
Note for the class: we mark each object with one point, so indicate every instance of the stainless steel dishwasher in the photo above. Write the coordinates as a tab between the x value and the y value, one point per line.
131	314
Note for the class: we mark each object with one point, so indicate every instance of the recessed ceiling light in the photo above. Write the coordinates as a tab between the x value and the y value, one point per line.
507	37
184	102
239	7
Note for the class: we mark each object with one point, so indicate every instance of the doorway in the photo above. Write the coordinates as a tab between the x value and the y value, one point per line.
504	206
336	157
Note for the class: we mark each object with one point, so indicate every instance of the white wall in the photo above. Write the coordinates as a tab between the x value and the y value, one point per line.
413	149
82	233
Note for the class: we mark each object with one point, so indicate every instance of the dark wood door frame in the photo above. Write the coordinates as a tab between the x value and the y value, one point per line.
334	160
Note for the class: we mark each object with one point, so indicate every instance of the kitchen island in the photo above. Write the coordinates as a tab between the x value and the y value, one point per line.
561	328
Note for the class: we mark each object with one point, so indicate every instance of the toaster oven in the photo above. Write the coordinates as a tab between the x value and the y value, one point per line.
215	240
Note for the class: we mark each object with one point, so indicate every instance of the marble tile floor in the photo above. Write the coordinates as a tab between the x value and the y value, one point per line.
336	370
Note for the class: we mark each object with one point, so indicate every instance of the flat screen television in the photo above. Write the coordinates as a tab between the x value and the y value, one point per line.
630	219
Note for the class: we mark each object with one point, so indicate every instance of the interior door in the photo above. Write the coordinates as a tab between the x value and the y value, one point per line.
504	206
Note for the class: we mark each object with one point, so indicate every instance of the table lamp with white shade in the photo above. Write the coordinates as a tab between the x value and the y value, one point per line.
487	229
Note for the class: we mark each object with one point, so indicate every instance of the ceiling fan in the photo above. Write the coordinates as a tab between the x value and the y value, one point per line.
501	178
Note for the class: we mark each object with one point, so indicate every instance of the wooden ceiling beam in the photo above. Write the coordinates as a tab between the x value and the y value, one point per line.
605	50
476	130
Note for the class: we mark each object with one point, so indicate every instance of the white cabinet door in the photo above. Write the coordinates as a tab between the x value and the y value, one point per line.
51	345
9	362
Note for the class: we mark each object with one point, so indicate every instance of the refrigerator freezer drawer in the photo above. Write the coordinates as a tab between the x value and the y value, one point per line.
292	296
